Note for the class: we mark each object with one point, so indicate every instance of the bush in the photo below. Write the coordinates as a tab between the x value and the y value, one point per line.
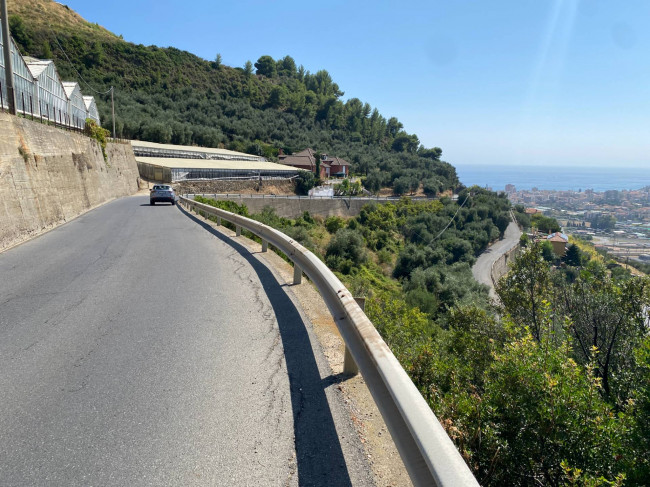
334	223
345	251
300	235
99	134
227	205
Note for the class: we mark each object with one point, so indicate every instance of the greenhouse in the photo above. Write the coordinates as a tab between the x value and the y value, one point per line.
23	80
152	149
91	108
52	99
41	93
167	170
76	105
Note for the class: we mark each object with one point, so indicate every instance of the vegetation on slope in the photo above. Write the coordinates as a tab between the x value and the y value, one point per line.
171	96
551	389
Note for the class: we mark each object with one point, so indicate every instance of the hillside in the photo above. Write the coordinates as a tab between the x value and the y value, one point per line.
172	96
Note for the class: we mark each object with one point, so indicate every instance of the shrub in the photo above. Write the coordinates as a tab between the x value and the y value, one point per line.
345	251
334	223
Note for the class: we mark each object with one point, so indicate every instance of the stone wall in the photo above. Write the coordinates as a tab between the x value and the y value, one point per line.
500	266
295	207
49	176
268	186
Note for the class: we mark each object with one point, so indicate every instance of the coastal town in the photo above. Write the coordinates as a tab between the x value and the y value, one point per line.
617	221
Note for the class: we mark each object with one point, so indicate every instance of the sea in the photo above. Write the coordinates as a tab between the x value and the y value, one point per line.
560	178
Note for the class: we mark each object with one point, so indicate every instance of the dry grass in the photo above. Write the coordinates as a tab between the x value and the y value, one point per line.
43	14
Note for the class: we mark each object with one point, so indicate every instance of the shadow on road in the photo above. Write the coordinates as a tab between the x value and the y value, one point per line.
319	455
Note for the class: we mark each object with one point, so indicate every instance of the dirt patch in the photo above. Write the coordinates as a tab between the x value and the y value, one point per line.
383	457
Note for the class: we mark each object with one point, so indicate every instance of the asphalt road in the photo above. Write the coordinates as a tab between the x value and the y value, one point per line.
483	265
140	347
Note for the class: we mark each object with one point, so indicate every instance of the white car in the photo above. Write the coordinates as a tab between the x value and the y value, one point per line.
162	192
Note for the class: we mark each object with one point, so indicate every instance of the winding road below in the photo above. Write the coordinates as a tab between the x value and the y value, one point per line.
482	268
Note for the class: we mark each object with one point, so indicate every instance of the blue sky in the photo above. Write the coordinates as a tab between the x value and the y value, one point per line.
531	82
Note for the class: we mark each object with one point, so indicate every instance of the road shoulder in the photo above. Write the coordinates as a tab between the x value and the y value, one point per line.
381	455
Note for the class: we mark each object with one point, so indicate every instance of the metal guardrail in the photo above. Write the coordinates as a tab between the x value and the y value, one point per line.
428	453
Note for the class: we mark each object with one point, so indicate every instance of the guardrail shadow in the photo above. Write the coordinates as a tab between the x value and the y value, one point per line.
319	454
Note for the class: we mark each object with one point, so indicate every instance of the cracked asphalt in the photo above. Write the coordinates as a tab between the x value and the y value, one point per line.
140	347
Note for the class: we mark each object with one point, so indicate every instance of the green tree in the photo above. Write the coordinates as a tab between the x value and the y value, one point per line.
218	61
95	56
608	324
573	256
502	222
544	223
639	440
287	67
266	66
304	182
544	417
525	288
524	240
248	68
21	33
548	254
345	251
46	51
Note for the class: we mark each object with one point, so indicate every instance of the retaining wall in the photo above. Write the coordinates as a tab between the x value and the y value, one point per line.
500	266
49	176
294	207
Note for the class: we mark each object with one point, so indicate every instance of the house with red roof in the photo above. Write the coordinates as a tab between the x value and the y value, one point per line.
306	160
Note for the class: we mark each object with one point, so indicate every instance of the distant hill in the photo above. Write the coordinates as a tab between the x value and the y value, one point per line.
172	96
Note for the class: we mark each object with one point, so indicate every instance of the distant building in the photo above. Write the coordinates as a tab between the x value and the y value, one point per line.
306	161
559	242
510	188
335	166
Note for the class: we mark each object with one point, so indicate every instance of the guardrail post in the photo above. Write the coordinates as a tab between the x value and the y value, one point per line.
238	228
350	367
265	246
297	274
218	220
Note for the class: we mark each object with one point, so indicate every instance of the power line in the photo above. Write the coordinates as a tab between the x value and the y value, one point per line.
75	69
422	239
452	219
111	90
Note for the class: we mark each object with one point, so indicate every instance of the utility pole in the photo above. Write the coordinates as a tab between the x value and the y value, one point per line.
9	68
112	109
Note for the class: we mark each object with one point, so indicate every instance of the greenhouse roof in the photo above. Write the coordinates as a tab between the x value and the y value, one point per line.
214	164
36	67
69	87
189	148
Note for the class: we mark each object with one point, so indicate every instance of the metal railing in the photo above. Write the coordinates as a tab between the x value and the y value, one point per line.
428	453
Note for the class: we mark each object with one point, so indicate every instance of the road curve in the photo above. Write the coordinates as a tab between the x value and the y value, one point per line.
483	266
140	347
